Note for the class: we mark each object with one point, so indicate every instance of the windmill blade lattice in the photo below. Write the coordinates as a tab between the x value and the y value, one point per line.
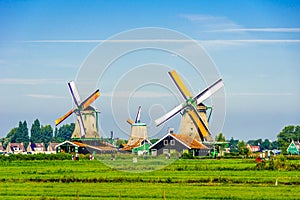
190	104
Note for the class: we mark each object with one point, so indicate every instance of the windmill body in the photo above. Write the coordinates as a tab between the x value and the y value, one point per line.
187	125
89	117
86	125
194	121
138	130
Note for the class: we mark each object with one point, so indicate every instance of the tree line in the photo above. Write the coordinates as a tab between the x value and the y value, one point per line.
38	133
284	138
45	134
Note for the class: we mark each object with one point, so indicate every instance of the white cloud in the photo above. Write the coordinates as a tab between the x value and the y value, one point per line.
259	94
138	94
210	22
275	30
45	96
224	42
23	81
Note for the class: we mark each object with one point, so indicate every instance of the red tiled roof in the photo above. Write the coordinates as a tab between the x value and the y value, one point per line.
134	145
104	147
189	141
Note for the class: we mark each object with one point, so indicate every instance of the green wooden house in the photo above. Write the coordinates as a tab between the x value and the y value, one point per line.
293	149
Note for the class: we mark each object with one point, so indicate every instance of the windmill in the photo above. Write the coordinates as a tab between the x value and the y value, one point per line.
138	130
194	121
86	123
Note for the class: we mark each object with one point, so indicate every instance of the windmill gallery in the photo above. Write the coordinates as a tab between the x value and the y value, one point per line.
193	132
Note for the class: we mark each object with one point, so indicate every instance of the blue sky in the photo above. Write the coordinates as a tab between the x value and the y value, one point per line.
254	44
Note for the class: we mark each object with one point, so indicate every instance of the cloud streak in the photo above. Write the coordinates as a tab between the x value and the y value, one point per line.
44	96
170	41
275	30
260	94
138	94
23	81
210	22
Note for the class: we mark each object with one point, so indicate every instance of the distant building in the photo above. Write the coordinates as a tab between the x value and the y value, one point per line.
178	143
34	148
83	148
293	148
253	148
15	148
52	147
2	150
139	145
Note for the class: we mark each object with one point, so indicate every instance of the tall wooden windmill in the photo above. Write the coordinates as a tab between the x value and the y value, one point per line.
194	121
86	125
138	130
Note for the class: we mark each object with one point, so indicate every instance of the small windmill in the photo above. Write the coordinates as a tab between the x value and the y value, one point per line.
194	121
86	124
138	130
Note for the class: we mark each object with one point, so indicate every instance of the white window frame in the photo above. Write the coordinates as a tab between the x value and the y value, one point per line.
166	142
172	142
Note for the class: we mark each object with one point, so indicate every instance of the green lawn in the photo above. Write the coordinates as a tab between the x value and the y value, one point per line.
182	179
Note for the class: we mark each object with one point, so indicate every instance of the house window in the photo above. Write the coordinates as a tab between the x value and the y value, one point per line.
172	151
166	142
172	142
153	152
165	151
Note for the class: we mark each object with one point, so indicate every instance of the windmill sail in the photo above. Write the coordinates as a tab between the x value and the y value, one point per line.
81	106
190	106
138	115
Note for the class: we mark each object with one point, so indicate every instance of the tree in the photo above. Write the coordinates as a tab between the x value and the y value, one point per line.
35	131
233	145
243	150
274	145
266	144
286	136
47	134
10	137
120	142
22	133
64	132
220	138
254	142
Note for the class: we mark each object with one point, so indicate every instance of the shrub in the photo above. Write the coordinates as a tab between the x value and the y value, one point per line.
187	155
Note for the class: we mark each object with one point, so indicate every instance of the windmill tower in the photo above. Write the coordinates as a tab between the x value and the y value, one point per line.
194	121
90	119
86	126
138	130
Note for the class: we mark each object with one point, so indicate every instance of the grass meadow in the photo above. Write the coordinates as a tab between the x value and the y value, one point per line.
181	179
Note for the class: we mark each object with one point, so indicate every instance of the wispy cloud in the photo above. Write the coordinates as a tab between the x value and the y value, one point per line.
259	94
138	94
252	41
210	22
228	42
45	96
22	81
275	30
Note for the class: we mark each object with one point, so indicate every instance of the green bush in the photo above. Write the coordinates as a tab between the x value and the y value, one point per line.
279	163
40	156
187	155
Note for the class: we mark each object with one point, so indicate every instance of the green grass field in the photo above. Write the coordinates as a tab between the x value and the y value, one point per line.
182	179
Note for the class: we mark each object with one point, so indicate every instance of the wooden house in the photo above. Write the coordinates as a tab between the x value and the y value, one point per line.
253	149
34	148
2	150
52	147
83	148
293	149
178	143
139	145
15	148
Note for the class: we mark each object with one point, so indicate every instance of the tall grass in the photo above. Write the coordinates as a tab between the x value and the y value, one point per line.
182	179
